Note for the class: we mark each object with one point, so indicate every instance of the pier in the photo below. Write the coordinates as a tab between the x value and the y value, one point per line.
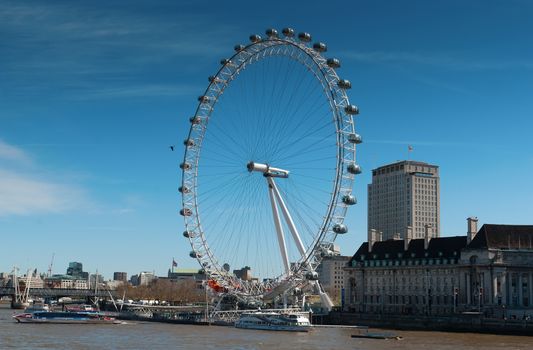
60	292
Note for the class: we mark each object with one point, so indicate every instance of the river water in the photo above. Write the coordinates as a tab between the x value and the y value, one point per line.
150	335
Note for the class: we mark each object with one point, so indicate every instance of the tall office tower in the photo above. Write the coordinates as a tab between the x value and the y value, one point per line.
403	194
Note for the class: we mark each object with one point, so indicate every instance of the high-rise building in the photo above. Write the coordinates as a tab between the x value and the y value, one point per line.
120	276
75	269
404	194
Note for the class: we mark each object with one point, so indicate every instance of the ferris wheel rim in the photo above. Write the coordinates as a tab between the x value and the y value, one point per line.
345	152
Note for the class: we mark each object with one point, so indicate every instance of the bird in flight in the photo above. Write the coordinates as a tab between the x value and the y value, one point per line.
172	148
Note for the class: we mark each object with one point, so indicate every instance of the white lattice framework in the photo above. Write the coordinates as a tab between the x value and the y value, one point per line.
334	88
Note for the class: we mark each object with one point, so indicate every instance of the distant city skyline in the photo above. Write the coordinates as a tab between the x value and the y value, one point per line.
93	94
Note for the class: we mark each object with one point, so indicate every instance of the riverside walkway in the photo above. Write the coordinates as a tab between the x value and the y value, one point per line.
59	292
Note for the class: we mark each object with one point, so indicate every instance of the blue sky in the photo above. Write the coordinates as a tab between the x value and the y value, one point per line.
92	94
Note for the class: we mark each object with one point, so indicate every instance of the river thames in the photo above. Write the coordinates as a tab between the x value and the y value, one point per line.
150	335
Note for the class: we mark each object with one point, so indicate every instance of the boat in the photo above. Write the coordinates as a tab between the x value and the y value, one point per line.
371	335
274	321
81	308
37	308
63	317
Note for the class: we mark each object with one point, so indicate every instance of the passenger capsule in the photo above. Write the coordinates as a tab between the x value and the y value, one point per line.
288	32
344	84
355	138
320	47
351	109
349	199
195	120
238	47
255	38
224	61
185	212
184	189
311	275
340	228
333	63
188	142
214	79
326	252
354	169
305	37
185	166
272	33
203	99
195	255
188	234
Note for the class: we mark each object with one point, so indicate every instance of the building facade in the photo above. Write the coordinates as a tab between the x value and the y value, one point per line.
120	276
179	275
403	194
331	275
75	269
489	271
145	278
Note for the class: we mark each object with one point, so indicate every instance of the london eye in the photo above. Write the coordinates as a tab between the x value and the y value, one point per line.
269	165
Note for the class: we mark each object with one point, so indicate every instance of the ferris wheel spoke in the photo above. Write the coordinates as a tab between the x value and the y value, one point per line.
275	104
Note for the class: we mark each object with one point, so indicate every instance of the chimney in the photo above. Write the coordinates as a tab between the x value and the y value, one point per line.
373	237
472	228
427	235
407	238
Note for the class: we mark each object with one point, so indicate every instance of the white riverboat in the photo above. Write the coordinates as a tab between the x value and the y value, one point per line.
274	321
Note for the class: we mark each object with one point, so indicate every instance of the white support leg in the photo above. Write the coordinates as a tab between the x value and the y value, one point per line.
288	218
279	230
324	297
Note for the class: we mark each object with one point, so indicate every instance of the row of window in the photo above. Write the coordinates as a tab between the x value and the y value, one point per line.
416	262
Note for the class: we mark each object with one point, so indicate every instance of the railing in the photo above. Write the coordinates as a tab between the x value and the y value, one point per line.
233	315
59	292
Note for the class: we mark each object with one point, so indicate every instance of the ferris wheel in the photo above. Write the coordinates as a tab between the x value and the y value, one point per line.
269	166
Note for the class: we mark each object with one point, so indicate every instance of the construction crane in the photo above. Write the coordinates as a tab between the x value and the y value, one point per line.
51	264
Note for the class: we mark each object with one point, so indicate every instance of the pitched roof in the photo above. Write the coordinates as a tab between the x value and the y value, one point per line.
503	237
441	247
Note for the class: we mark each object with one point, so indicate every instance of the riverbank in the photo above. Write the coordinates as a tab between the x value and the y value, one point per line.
463	323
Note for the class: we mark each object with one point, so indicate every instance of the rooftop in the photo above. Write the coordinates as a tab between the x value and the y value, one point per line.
441	247
503	237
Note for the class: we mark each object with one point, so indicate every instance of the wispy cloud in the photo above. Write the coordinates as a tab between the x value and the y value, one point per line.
12	153
443	60
22	192
23	195
103	51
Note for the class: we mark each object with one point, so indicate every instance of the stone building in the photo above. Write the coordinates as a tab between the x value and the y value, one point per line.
403	194
488	271
331	275
179	275
146	277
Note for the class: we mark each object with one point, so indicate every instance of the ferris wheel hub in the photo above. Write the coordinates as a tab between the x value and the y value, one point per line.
267	170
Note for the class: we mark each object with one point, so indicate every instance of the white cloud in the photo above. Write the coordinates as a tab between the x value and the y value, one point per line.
23	195
9	152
